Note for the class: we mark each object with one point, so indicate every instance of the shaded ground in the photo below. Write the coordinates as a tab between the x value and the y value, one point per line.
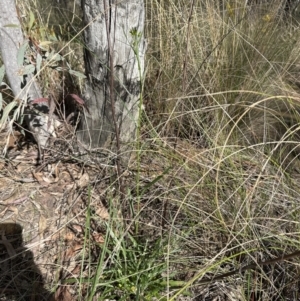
42	215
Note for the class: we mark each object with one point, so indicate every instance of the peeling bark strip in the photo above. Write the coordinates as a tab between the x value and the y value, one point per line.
125	17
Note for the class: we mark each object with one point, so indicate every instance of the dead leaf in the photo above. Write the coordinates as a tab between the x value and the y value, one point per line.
102	213
40	100
77	99
80	102
72	251
47	180
15	202
77	228
63	294
83	181
12	139
42	224
39	178
2	213
52	107
69	236
14	210
64	176
98	238
70	187
20	200
76	270
56	173
67	296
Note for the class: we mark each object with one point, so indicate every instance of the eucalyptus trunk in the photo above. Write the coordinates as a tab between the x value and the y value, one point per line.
114	62
24	88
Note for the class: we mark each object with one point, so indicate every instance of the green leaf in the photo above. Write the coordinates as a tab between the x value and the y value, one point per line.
2	72
28	69
45	45
21	54
76	73
31	20
55	57
12	25
6	112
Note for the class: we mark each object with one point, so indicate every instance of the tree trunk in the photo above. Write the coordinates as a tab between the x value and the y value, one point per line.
114	62
11	38
24	87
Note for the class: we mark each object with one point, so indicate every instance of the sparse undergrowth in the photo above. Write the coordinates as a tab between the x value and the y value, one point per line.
215	188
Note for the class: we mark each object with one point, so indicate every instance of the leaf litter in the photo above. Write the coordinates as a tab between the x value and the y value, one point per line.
49	205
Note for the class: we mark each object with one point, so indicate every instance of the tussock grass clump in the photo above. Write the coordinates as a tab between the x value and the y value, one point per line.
223	88
211	206
226	71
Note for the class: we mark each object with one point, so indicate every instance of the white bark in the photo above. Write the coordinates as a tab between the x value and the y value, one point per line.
11	38
97	128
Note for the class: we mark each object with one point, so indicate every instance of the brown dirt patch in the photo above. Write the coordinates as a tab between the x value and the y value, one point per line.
43	217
